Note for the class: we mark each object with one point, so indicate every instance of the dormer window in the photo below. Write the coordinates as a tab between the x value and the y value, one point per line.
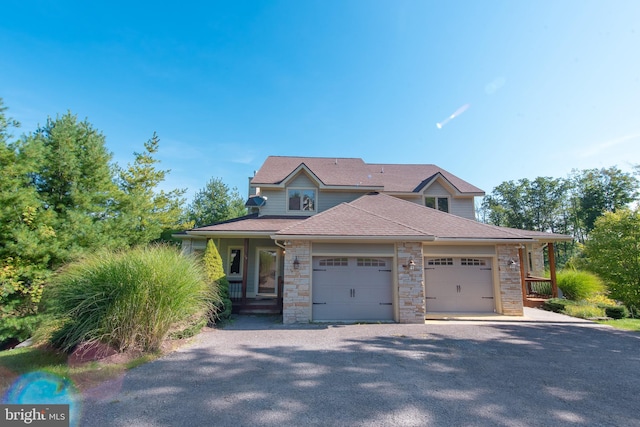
440	203
301	199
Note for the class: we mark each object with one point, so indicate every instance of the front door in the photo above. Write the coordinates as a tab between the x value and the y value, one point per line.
267	271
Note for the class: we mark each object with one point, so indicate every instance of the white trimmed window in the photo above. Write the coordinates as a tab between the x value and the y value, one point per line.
440	203
301	199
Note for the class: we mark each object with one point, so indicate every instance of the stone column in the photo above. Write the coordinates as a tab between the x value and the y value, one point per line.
510	284
410	283
296	301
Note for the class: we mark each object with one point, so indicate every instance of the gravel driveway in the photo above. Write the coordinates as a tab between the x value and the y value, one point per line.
258	372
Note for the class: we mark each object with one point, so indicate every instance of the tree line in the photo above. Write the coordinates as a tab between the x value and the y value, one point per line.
62	196
569	205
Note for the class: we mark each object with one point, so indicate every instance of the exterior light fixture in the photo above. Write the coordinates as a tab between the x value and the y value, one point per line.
512	264
411	265
296	264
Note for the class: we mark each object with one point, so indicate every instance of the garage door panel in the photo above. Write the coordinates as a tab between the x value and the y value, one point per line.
459	285
352	288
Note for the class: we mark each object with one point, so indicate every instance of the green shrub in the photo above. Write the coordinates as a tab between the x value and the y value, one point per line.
17	329
215	273
223	308
556	305
616	312
579	285
583	311
601	301
128	299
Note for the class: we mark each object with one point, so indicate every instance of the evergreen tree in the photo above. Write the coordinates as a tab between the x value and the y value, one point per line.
27	239
143	211
215	272
73	181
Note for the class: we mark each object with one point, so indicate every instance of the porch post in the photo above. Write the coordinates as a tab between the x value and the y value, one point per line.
245	271
552	270
522	281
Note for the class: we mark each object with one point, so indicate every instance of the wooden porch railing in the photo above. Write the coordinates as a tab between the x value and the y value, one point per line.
538	287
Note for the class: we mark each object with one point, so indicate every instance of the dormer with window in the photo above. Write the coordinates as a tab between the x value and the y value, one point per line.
302	200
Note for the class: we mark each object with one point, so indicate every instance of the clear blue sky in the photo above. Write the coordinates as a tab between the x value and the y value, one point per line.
549	85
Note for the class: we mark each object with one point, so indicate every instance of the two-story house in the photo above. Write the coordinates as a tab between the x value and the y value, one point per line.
338	239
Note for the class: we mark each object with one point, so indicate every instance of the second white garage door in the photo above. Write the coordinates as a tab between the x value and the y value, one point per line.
352	288
459	285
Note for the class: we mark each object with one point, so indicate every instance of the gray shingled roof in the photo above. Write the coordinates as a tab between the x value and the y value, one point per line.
380	215
249	224
374	216
333	171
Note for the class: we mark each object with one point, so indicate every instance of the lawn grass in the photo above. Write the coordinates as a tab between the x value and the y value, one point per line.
16	362
624	324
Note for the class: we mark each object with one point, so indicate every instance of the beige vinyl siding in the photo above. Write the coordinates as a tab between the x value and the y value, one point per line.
459	250
460	206
352	249
463	206
329	199
276	202
302	180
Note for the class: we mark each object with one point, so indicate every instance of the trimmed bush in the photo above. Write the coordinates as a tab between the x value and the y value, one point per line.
556	305
579	285
616	312
128	299
215	273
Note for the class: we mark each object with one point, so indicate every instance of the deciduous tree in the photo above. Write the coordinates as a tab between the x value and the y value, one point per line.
214	203
613	252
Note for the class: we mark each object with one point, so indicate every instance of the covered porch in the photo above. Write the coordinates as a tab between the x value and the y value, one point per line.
536	288
253	262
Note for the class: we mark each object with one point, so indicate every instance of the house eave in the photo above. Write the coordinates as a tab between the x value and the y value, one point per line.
468	241
229	234
352	238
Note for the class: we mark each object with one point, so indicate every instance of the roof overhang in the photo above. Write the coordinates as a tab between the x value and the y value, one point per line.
228	234
353	238
476	241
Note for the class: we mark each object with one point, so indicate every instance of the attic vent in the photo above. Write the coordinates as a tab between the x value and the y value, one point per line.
336	162
382	169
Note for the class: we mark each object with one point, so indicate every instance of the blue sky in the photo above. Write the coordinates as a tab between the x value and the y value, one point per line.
548	86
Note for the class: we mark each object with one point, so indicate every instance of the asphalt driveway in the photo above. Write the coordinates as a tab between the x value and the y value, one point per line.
258	372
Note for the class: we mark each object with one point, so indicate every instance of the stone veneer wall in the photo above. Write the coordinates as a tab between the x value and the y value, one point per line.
410	283
510	284
296	303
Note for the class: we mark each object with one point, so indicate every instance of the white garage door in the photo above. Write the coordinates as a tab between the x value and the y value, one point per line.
459	285
352	288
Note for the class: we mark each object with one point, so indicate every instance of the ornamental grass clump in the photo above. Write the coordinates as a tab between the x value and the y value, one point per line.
579	285
129	299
